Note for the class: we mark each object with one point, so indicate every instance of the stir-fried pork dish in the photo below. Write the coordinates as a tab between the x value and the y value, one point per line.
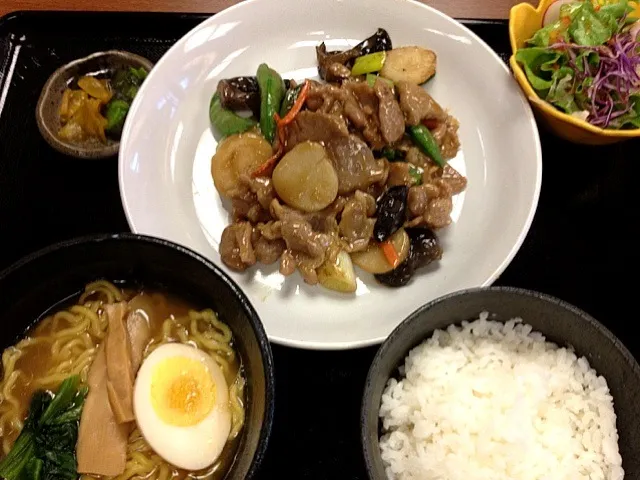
348	170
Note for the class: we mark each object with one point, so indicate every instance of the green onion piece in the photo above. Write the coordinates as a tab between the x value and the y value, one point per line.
369	63
392	154
416	175
425	141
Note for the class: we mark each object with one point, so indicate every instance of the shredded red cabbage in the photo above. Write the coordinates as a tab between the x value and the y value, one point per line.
615	77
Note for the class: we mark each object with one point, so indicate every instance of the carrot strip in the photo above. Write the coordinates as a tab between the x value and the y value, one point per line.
297	106
390	253
265	169
430	123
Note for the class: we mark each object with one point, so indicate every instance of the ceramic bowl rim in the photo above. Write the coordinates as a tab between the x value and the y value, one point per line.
256	323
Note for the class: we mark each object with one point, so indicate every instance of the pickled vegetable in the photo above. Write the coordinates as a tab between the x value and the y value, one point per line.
96	88
116	113
373	259
126	83
305	178
237	155
71	102
338	274
85	122
99	106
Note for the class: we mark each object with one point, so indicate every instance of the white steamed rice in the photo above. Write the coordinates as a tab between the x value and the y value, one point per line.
495	401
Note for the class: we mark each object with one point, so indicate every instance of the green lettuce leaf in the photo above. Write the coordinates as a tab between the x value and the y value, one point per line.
561	93
581	94
591	27
542	38
616	10
584	25
593	60
539	63
555	31
630	119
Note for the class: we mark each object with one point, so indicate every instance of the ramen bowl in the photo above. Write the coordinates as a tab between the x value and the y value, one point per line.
524	21
53	278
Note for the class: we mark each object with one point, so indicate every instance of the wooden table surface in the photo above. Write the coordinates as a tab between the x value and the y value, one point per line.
454	8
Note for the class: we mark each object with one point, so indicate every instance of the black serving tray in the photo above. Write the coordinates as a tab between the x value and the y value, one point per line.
582	246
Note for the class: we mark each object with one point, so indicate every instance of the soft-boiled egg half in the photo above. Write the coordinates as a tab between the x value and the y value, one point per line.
181	403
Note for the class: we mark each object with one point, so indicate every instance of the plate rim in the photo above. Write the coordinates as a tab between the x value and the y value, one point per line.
351	344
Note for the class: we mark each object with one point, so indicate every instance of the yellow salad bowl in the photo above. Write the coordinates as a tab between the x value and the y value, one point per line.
524	21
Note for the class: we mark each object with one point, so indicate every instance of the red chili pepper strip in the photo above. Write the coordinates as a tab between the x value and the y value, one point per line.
430	123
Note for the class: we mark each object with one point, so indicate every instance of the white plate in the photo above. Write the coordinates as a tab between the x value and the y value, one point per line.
167	144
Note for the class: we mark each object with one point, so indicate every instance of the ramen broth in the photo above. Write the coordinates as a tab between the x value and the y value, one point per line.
157	307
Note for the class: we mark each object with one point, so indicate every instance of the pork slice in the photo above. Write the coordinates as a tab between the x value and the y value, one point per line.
417	104
357	222
454	179
236	248
391	117
365	96
315	127
369	104
102	441
399	174
354	163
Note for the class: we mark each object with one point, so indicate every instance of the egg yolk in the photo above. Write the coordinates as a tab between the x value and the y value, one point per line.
182	391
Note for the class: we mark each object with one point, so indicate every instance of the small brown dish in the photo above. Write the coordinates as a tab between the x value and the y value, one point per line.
48	106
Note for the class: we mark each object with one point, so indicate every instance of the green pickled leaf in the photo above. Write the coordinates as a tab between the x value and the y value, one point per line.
116	114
